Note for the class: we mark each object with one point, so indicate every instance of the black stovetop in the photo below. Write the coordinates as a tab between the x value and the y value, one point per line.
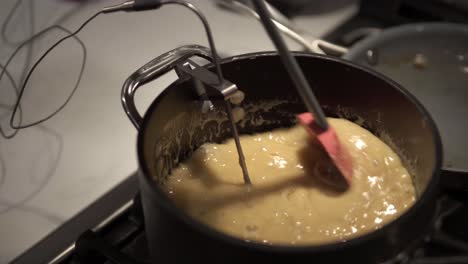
124	241
120	236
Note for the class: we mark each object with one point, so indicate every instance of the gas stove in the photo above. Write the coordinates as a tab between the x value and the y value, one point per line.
120	237
114	223
124	241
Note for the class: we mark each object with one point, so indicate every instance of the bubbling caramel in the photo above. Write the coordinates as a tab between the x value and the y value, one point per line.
288	203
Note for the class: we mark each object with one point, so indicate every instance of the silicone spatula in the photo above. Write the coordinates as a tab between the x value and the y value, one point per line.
314	121
331	143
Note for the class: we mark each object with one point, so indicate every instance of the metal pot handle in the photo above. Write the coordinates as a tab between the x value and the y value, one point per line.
154	69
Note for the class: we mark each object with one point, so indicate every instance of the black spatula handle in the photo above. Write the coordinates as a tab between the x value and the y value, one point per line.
295	72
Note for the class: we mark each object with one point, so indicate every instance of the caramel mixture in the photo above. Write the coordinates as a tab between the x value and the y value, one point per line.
288	203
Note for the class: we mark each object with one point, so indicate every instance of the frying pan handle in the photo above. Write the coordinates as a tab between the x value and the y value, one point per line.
154	69
349	38
325	47
287	27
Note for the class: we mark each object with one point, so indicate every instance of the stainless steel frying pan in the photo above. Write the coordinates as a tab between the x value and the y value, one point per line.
429	59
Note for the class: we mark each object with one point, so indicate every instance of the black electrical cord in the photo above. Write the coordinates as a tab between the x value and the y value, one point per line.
15	88
31	71
209	35
33	68
137	5
7	22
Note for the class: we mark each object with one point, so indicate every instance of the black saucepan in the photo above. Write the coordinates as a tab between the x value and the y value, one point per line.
174	126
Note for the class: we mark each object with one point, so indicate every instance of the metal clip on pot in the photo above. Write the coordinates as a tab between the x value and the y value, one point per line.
210	81
178	60
154	69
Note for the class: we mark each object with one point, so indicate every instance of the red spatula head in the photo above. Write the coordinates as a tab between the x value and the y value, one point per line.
330	142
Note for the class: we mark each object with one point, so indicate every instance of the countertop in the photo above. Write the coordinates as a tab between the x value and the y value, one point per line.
52	171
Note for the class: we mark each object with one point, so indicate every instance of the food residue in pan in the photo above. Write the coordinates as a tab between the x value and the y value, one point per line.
420	61
464	69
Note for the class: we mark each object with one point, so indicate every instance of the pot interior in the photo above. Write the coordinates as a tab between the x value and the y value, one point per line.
174	126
